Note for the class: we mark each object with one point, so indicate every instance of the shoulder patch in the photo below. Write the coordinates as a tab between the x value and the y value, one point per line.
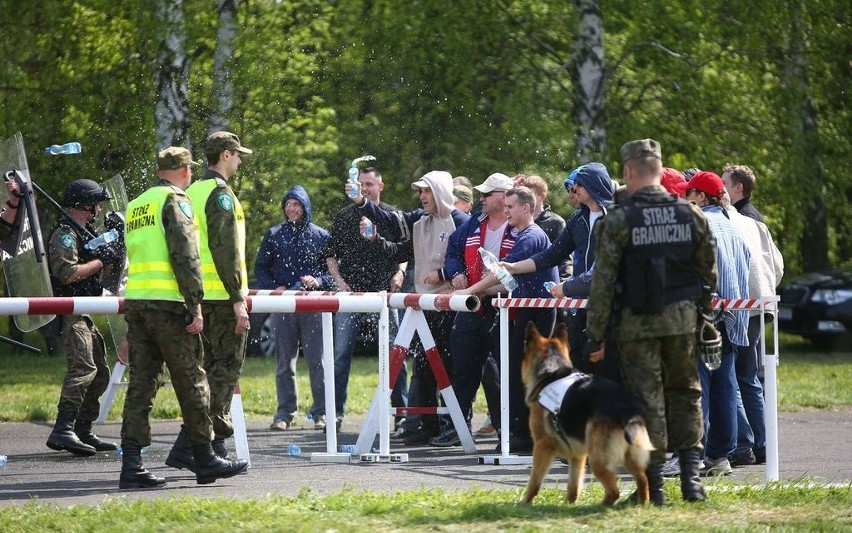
225	202
67	241
185	208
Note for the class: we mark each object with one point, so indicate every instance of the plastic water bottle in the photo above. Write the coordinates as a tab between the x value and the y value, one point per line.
64	149
100	240
4	460
353	178
491	263
119	452
548	285
347	448
294	450
369	230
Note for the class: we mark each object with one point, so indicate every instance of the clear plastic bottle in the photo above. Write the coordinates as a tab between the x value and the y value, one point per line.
64	149
353	178
347	448
548	285
294	450
369	229
492	264
3	460
100	240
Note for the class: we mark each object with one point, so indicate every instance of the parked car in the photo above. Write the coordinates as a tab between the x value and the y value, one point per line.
261	339
818	306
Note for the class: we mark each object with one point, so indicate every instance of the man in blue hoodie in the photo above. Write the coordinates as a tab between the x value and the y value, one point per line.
291	257
593	189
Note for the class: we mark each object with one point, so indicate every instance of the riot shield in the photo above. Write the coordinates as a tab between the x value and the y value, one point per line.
114	211
23	256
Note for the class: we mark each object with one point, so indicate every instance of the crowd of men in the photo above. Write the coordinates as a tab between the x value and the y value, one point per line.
649	255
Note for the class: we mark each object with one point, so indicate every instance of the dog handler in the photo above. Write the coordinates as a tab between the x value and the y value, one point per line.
656	264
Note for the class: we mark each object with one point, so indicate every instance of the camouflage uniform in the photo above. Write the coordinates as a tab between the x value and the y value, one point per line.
156	334
87	372
224	351
656	350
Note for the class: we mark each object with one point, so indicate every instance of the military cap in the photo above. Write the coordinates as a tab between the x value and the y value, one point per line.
224	140
641	149
175	157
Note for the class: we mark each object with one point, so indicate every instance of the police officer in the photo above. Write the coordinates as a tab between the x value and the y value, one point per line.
222	243
656	264
75	271
163	314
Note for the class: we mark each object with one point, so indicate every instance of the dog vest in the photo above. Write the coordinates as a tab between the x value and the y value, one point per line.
551	396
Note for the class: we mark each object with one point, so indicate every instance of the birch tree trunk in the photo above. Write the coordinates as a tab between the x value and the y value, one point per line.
805	163
172	109
222	85
589	82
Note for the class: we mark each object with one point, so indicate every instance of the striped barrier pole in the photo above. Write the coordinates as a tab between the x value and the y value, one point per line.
396	300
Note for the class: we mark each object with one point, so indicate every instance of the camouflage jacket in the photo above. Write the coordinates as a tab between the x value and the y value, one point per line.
223	239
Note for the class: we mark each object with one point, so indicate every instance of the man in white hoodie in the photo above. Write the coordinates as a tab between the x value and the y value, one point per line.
424	235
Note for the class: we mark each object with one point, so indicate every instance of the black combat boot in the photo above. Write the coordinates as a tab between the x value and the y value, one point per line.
690	480
654	472
209	467
180	455
63	438
219	448
83	430
133	474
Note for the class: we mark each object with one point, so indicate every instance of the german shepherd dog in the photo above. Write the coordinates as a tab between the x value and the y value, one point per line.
596	418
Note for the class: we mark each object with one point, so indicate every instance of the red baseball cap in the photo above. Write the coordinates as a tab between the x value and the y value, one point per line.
707	182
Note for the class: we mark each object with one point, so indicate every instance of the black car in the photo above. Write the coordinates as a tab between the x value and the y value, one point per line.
818	307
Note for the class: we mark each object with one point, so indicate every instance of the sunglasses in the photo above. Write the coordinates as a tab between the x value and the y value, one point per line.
487	194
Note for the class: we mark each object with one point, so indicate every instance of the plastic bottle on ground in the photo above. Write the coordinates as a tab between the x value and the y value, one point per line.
294	450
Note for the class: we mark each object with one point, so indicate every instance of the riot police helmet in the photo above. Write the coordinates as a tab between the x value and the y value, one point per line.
84	192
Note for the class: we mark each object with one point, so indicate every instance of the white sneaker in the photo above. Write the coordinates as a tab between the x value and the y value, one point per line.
717	467
672	467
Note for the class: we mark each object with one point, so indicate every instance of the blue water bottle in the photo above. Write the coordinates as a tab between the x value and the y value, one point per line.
64	149
100	240
353	178
347	448
3	461
369	229
294	450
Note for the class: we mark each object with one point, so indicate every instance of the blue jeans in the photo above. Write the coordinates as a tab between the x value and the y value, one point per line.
719	403
751	421
345	329
292	330
472	339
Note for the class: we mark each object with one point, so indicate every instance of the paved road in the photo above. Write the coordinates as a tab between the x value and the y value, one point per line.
815	445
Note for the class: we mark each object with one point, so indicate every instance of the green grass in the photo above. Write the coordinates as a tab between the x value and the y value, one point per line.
780	508
29	385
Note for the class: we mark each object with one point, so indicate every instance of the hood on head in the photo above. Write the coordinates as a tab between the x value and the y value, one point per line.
299	193
441	183
594	178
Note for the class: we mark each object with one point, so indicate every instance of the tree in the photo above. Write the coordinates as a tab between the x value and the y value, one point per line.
172	109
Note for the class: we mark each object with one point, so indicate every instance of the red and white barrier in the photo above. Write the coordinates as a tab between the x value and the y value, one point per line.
763	304
396	300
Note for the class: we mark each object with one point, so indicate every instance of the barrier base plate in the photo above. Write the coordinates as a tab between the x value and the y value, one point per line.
390	458
505	460
322	457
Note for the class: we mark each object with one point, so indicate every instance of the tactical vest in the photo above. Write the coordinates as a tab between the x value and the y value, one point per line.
214	289
150	273
90	286
657	267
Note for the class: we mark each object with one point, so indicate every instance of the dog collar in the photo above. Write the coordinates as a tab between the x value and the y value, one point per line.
551	396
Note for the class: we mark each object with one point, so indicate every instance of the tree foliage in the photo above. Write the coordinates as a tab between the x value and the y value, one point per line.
473	87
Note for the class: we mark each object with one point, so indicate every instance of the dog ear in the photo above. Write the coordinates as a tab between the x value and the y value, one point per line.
532	332
561	333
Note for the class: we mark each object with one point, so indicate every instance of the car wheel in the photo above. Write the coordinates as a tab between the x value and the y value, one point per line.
266	339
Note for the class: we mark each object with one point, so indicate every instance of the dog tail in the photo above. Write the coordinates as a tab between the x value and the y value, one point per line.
636	433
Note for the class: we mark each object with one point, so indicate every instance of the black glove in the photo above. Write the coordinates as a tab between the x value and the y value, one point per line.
591	347
108	254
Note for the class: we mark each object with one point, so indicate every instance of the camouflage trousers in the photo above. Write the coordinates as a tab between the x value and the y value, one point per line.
224	355
154	339
659	371
87	372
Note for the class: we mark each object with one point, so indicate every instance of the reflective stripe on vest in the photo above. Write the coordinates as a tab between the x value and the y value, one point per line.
150	273
199	192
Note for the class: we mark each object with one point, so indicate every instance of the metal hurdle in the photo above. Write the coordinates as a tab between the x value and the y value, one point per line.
770	361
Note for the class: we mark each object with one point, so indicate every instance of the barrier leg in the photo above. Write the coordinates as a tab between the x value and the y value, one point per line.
331	454
238	419
115	380
770	380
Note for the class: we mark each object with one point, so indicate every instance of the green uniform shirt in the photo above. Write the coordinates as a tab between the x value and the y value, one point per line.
612	235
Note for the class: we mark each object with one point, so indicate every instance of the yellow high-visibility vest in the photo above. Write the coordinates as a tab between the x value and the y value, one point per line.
214	289
150	274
